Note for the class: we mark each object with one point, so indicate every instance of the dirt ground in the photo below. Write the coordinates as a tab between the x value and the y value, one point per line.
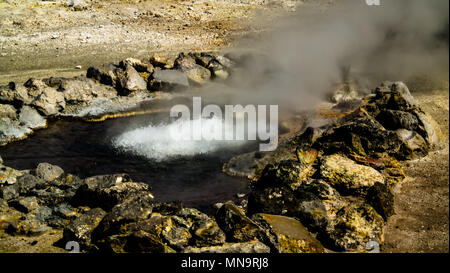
48	38
39	38
420	223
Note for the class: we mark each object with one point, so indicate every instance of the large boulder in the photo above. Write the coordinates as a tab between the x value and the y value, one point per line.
347	176
81	228
129	80
236	225
105	74
381	199
168	80
106	191
285	173
355	225
290	235
47	100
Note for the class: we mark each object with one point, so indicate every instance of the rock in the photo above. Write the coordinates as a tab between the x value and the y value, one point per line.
313	214
78	67
105	74
14	93
25	204
162	60
81	90
106	191
347	176
30	226
48	172
49	101
168	80
395	119
27	182
291	236
206	232
9	175
138	242
80	229
77	5
8	111
133	209
140	66
31	118
9	192
9	218
413	144
197	75
63	210
237	227
354	226
394	96
176	234
381	199
218	70
273	200
359	133
247	247
130	81
429	128
285	173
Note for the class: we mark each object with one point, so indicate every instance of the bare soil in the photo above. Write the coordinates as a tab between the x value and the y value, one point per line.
41	38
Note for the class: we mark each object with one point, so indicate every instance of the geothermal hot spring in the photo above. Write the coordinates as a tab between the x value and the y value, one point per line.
141	146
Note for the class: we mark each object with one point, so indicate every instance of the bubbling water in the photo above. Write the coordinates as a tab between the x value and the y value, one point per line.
167	141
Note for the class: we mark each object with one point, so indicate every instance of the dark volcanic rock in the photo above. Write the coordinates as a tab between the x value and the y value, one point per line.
381	199
80	229
25	204
288	234
105	74
354	226
106	191
237	226
168	80
285	173
276	200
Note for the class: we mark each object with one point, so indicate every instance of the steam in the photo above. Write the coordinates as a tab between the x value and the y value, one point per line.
157	142
308	53
305	55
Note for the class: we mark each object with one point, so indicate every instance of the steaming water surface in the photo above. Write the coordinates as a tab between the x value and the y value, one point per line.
167	141
188	171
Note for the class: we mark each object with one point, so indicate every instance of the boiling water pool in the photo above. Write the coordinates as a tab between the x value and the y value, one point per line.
140	146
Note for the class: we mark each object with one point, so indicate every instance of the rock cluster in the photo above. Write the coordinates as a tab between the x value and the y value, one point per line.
111	213
105	90
340	185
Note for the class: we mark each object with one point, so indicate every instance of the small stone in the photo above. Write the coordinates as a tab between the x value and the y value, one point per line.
78	67
48	172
